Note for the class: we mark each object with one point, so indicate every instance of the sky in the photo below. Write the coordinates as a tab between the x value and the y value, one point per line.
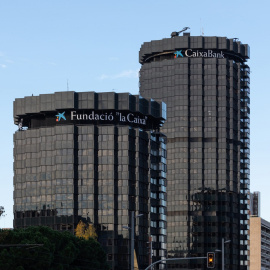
83	45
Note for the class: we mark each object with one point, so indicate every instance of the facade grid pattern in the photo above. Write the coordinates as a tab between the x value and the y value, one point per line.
97	171
208	143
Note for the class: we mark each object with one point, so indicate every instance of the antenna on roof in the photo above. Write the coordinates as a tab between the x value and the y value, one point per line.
67	86
176	34
201	30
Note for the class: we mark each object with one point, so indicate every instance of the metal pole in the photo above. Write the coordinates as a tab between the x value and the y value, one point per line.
175	259
132	240
151	251
222	253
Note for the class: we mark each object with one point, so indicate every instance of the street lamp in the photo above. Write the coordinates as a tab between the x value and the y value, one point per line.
132	237
222	251
151	250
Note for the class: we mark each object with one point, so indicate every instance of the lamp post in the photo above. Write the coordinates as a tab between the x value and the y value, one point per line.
222	251
151	249
132	237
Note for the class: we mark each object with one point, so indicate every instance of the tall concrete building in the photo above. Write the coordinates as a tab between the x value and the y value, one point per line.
259	235
259	243
96	157
205	83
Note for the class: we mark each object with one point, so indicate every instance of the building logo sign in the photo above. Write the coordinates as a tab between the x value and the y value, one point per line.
191	53
199	53
109	117
178	53
121	117
59	116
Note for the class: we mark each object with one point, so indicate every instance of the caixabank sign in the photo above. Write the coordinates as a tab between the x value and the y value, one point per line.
193	53
199	53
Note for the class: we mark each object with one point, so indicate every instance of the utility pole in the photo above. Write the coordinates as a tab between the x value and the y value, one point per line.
132	232
223	251
151	250
132	240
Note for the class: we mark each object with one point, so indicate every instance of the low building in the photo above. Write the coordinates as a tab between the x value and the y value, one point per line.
259	243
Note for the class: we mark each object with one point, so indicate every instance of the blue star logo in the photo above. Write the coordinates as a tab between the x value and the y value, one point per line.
60	116
178	53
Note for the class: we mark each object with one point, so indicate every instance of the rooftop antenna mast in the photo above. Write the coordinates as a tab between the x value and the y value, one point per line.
176	34
67	86
201	30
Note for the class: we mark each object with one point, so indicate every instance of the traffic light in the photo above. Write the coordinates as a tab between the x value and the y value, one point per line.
210	259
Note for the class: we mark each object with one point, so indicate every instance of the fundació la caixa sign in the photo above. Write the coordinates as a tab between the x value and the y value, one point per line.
111	116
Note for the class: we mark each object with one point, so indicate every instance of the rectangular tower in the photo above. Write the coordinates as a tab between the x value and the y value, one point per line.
205	83
255	203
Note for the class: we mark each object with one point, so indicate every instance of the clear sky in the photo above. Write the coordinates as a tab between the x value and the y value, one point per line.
94	46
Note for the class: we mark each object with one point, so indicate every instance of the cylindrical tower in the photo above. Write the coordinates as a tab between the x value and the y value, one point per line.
205	83
95	157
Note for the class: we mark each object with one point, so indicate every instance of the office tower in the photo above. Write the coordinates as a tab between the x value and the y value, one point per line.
205	83
95	157
255	203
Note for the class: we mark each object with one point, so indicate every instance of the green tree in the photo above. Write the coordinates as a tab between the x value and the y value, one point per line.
2	210
85	231
60	251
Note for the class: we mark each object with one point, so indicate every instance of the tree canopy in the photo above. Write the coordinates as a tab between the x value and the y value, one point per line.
60	250
2	210
85	231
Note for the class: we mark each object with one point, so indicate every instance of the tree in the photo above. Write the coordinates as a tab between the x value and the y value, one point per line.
2	210
60	250
85	231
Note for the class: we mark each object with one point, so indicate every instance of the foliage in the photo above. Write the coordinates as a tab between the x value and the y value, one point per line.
84	231
2	210
60	251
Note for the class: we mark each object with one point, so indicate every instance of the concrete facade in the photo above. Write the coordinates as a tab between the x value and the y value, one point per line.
255	243
259	244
